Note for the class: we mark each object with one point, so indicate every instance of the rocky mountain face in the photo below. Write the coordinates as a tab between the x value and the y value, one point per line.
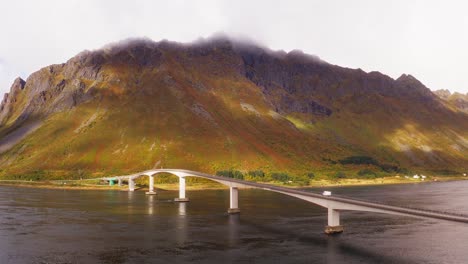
220	104
457	100
6	106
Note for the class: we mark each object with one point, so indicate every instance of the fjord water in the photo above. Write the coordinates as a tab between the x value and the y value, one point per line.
76	226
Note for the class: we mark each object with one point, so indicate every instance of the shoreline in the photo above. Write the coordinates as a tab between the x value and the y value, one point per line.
383	181
216	186
49	185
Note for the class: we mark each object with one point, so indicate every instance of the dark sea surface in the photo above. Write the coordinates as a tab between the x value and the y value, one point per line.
75	226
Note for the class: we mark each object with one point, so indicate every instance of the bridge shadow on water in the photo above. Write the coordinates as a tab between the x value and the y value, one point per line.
336	249
230	237
238	238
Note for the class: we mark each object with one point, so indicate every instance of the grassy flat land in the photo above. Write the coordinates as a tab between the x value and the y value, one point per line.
95	185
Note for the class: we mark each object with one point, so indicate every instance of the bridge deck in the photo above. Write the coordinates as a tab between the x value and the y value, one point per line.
342	199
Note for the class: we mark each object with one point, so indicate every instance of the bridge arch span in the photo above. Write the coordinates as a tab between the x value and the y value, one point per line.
182	174
233	186
334	204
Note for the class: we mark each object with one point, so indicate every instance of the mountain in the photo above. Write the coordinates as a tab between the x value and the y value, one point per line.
456	100
220	104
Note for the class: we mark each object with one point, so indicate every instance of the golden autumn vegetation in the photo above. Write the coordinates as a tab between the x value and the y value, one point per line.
210	107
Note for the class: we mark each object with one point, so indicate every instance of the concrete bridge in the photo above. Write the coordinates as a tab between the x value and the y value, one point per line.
334	204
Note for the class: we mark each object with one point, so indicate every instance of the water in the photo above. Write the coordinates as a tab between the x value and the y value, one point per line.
73	226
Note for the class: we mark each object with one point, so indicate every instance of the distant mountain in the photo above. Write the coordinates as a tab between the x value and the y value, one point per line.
222	104
457	100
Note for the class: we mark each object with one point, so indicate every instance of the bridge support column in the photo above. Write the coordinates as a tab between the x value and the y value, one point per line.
120	181
151	186
333	226
182	197
234	201
131	184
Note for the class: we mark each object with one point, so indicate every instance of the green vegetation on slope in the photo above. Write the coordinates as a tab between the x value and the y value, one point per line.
211	109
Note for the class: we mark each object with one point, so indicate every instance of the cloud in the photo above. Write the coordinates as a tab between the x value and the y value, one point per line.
424	38
7	75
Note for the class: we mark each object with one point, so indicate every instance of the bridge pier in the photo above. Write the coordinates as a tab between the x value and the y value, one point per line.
120	181
131	184
151	186
233	201
333	226
182	197
334	204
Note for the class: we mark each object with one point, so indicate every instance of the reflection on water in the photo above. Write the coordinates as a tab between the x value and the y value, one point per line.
182	209
151	204
57	226
233	225
181	224
332	253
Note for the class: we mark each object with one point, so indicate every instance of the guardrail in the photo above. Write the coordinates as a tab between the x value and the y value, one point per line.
344	199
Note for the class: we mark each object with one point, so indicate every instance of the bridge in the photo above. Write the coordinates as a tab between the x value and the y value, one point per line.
334	204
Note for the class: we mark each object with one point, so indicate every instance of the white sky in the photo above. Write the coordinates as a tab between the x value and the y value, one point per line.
428	39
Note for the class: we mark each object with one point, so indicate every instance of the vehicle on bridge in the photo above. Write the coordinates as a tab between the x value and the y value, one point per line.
334	204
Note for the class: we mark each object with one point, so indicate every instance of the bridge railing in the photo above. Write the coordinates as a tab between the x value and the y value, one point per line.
272	187
404	206
340	198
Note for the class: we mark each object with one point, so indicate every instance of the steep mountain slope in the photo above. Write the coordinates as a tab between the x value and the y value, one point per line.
456	100
221	104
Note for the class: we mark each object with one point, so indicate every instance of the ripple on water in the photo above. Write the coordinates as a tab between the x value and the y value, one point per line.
102	227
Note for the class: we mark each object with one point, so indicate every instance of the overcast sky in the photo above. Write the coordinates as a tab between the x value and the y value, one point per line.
428	39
